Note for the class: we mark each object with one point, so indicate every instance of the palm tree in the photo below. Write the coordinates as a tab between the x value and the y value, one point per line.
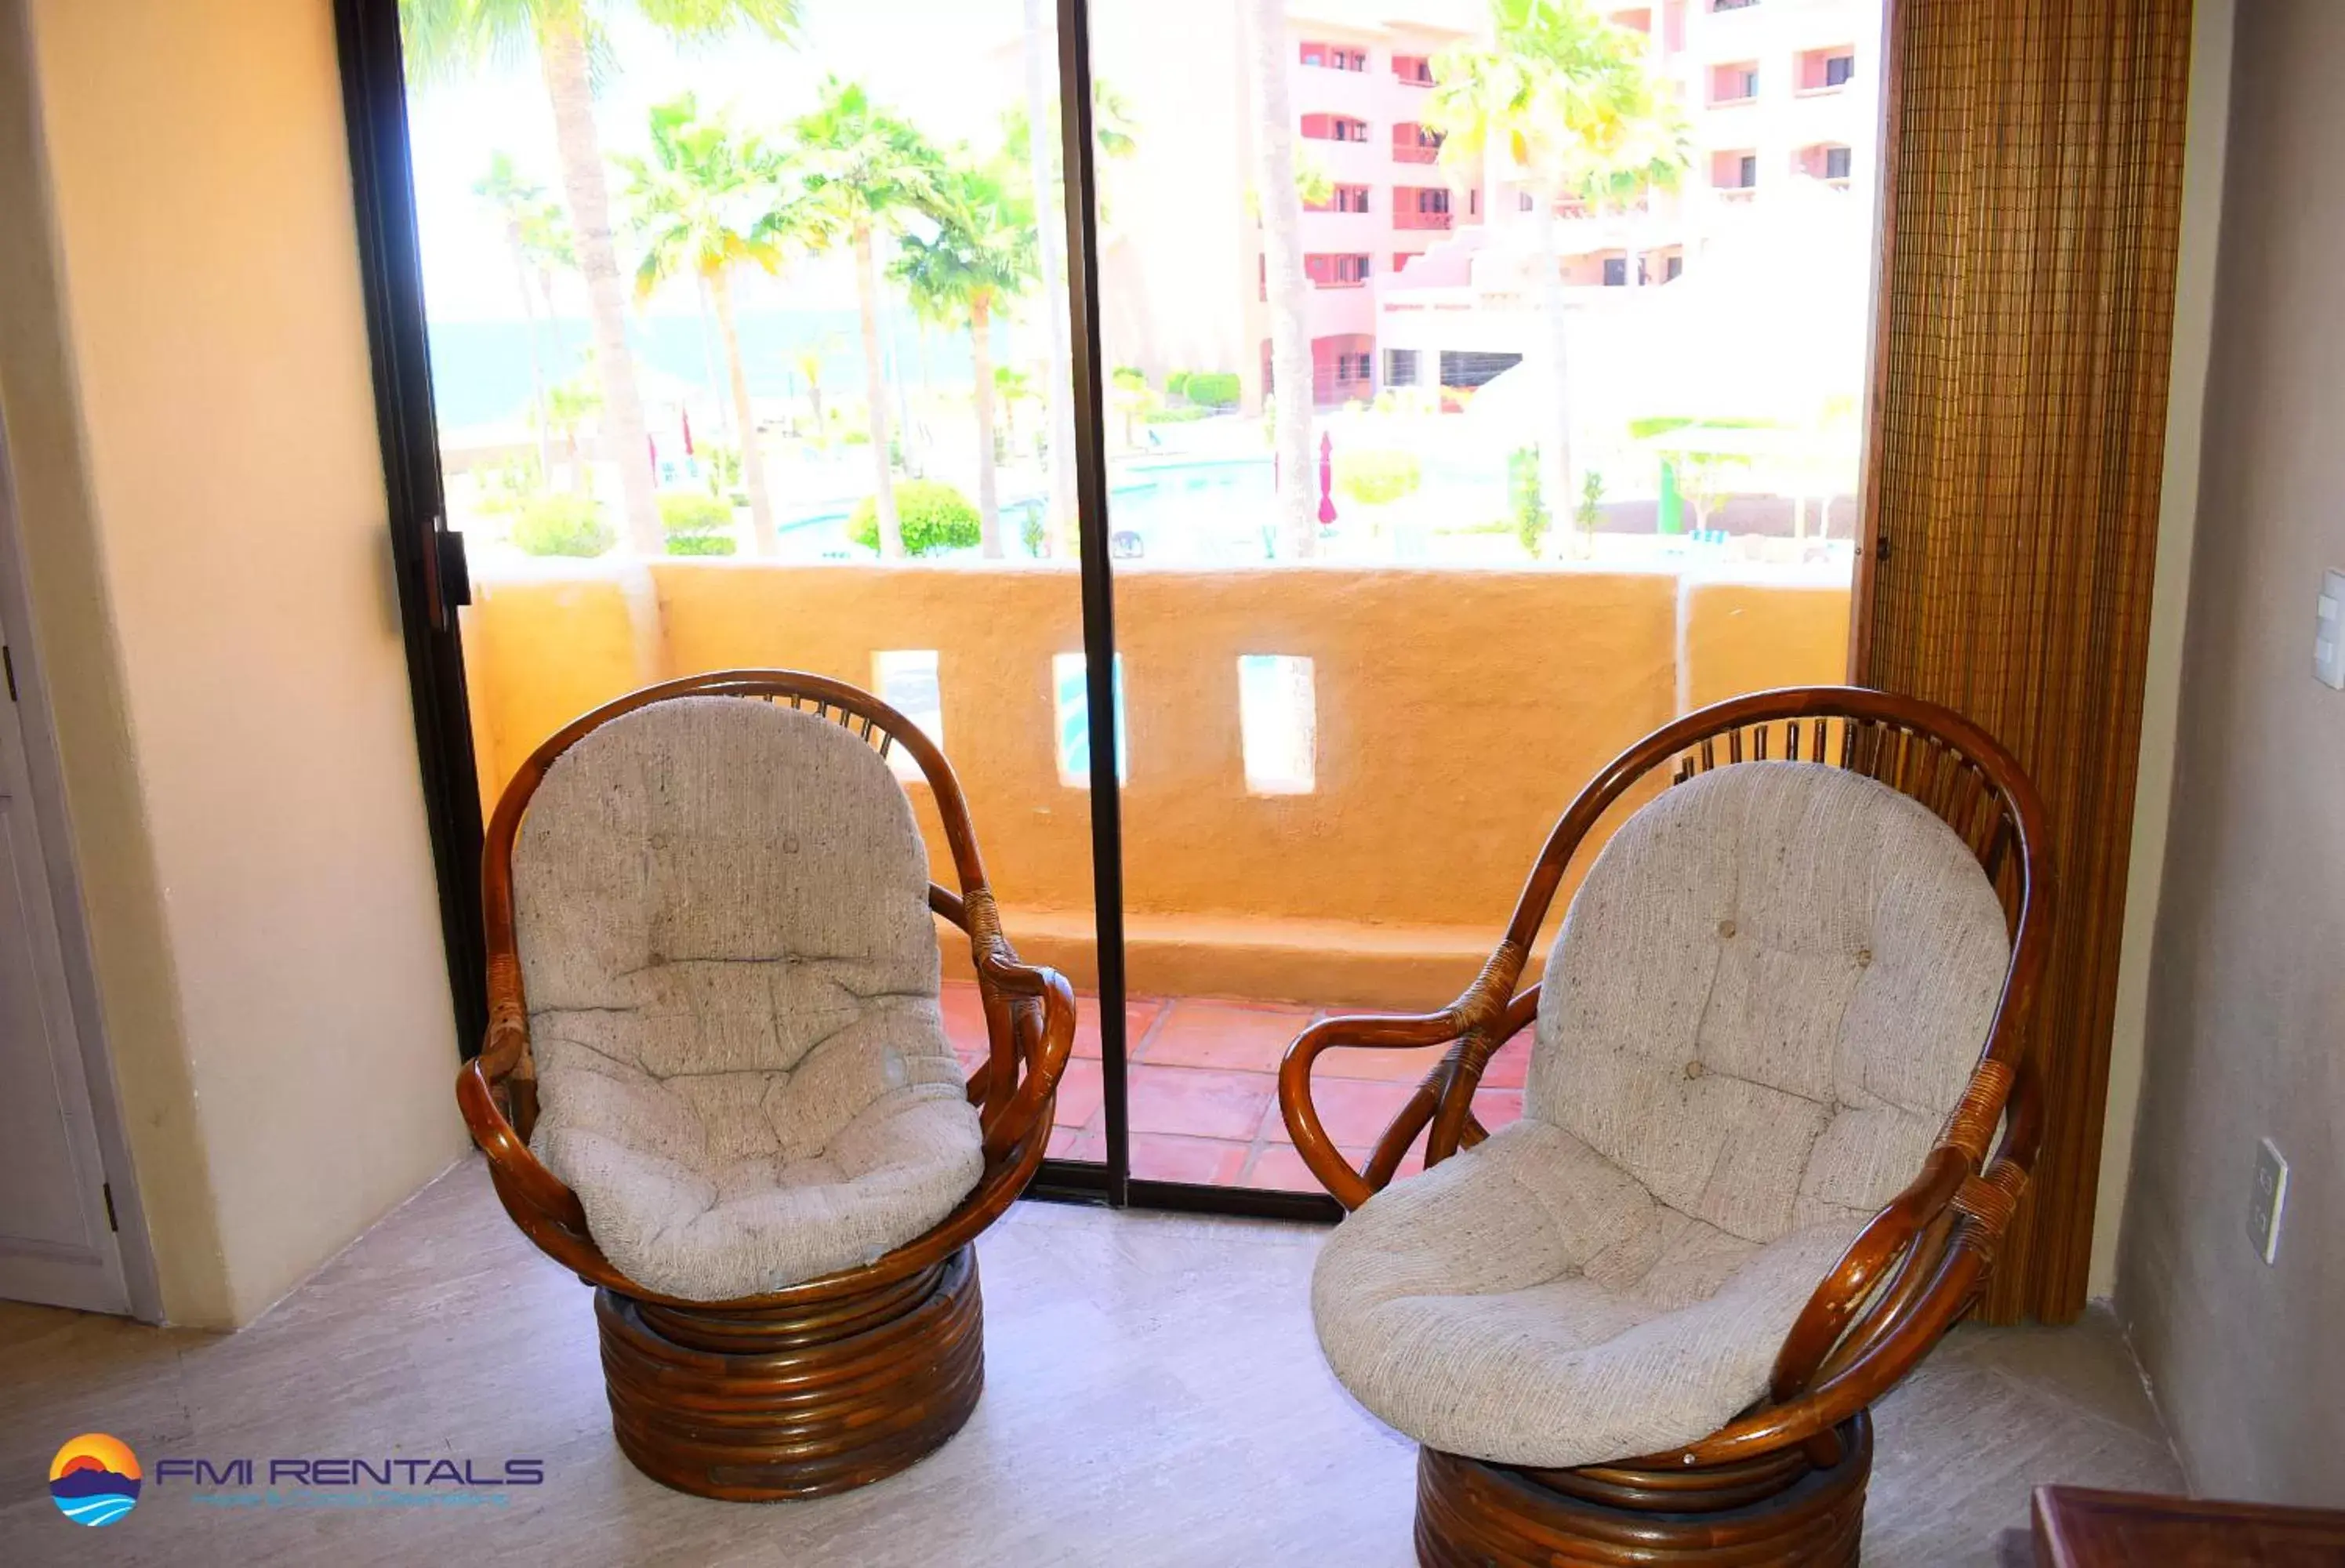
701	204
572	39
568	405
515	200
1013	387
807	361
1112	138
1636	146
1554	82
1268	48
982	256
865	170
546	245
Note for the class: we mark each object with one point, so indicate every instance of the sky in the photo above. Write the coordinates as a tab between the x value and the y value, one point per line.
949	66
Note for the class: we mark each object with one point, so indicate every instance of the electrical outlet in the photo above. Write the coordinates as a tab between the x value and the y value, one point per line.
2328	632
2270	1195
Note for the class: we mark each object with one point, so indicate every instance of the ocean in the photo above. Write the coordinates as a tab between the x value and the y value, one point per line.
480	370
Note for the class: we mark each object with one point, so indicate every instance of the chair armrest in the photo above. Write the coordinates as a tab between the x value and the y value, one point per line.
1046	1057
510	1164
1394	1033
1886	1239
1006	1114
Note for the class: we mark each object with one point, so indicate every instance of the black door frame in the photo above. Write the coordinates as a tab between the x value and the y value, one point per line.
430	575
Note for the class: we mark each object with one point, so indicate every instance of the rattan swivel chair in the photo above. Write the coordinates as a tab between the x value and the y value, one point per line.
1778	1115
717	1084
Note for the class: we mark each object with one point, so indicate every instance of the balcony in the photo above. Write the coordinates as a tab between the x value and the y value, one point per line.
1382	884
1411	143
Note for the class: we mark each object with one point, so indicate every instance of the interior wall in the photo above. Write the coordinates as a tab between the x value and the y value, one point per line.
2246	989
2161	694
191	417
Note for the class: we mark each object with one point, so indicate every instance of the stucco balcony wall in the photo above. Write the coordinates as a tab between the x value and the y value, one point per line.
1457	712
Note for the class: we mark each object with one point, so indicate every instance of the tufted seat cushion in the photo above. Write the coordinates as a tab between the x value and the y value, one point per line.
1761	1008
732	972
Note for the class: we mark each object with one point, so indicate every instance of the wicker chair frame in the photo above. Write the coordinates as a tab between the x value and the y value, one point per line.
839	1381
1784	1481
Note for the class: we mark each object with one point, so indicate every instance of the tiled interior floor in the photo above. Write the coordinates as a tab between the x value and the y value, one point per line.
1205	1087
1153	1399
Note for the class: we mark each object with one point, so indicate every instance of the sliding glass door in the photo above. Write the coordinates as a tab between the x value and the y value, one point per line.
1276	479
1483	392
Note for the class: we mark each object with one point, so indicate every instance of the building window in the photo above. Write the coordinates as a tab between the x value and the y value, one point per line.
1616	271
1333	128
1746	171
1277	723
1825	70
1341	199
1420	206
1327	268
1734	83
906	682
1524	202
1400	367
1414	69
1672	266
1732	5
1836	162
1472	368
1335	57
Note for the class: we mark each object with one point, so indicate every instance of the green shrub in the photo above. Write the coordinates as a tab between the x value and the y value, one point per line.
1212	388
564	523
933	516
687	511
1178	415
696	524
1529	506
1377	476
1177	383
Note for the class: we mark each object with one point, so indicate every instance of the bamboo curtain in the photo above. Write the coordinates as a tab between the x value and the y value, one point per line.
2033	177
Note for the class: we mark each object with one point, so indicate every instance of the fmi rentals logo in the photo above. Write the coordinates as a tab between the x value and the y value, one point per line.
96	1480
93	1479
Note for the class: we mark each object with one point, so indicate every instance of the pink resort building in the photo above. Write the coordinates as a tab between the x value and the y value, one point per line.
1420	273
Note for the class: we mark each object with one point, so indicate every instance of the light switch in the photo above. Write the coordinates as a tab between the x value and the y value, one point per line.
2267	1200
2329	634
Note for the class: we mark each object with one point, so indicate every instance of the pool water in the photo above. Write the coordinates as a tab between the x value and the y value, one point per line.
1208	512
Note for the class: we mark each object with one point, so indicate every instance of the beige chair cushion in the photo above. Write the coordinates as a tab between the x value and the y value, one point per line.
1762	1006
732	975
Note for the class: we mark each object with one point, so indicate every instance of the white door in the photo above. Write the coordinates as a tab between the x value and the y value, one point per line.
56	1231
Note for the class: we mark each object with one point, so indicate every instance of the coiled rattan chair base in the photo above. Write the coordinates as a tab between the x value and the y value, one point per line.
1777	1509
762	1406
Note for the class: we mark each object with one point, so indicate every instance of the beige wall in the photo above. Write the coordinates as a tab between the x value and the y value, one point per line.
2178	521
2246	989
202	501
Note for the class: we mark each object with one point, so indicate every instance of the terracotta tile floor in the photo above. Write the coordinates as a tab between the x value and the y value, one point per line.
1205	1087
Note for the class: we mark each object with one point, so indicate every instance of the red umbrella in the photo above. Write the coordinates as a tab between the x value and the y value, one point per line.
1326	479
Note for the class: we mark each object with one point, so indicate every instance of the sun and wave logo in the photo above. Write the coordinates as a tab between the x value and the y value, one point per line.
93	1479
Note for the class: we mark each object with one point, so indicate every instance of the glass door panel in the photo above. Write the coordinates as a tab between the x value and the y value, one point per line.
749	348
1436	481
